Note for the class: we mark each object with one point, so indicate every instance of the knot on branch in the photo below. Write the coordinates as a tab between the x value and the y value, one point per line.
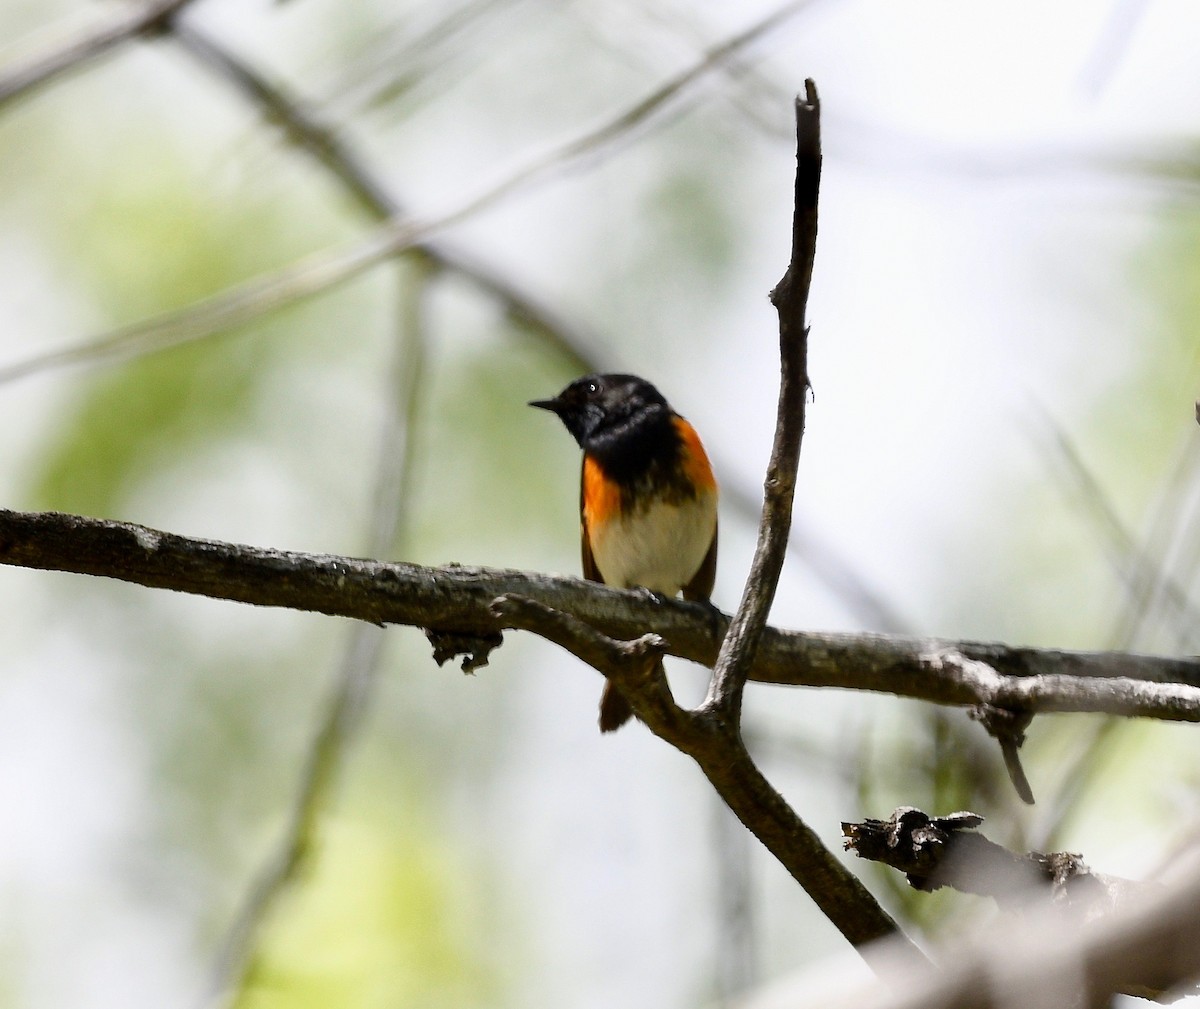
475	648
1002	724
779	481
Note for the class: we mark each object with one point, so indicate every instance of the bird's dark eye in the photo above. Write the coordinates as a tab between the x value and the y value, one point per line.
593	388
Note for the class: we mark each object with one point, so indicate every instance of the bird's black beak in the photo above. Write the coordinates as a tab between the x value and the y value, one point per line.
553	405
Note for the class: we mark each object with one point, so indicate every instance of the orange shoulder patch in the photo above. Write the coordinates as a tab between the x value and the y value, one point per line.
695	459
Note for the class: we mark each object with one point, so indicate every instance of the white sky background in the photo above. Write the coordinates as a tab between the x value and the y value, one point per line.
957	277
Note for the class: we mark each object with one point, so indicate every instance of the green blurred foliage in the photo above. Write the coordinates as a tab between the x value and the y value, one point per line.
498	483
1148	414
146	417
139	243
379	923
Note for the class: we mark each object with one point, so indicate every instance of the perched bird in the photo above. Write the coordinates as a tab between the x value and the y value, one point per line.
647	497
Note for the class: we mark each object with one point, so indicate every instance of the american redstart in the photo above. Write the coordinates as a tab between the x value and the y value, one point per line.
647	496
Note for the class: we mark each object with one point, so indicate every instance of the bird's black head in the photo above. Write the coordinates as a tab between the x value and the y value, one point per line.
601	411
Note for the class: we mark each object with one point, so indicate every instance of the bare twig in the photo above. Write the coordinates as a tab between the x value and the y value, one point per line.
712	734
231	307
1148	582
620	127
118	24
1145	580
1104	933
1111	44
409	53
295	846
457	599
299	124
937	851
1007	726
790	297
306	130
1087	765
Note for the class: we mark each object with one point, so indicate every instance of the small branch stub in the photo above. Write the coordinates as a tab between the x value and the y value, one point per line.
1008	727
475	649
1004	722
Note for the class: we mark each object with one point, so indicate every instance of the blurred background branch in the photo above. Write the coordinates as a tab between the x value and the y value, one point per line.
111	29
361	660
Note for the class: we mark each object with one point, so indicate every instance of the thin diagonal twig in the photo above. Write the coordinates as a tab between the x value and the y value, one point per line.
395	66
303	127
1166	531
1145	581
118	25
299	124
1111	45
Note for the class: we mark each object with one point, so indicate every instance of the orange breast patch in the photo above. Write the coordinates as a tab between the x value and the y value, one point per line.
601	496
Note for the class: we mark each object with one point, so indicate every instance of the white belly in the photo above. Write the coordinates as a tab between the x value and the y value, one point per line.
660	548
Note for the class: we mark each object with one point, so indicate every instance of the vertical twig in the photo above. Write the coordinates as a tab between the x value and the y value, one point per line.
719	748
790	298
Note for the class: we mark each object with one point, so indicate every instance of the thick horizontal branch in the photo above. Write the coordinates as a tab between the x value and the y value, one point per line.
458	600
